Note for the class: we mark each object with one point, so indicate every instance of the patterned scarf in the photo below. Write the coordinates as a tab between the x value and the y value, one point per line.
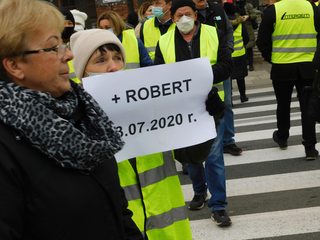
49	124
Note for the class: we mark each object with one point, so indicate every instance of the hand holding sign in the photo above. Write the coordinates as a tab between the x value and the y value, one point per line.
157	114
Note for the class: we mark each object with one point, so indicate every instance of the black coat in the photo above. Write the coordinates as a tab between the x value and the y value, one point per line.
41	201
239	69
214	15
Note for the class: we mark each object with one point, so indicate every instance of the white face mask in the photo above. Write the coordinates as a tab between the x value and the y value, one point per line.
185	24
90	74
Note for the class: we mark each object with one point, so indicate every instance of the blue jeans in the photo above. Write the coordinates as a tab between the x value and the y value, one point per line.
212	176
228	137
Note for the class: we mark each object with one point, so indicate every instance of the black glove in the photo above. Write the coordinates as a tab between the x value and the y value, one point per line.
214	104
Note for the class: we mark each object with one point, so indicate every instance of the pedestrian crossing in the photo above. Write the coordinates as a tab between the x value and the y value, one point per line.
272	193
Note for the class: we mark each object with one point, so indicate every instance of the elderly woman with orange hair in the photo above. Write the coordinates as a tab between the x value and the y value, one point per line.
58	175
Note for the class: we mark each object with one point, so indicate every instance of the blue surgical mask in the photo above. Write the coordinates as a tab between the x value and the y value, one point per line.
157	12
150	16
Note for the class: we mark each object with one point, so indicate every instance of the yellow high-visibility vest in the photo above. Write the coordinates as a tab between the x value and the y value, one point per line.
131	48
72	73
209	44
157	188
294	38
151	35
238	45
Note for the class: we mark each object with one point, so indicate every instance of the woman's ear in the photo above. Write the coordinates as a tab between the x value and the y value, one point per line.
12	68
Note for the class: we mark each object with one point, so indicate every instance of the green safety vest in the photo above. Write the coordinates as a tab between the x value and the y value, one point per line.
161	194
294	38
131	48
72	74
238	45
209	43
151	35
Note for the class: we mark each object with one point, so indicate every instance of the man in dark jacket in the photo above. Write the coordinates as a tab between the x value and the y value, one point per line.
212	13
186	45
289	44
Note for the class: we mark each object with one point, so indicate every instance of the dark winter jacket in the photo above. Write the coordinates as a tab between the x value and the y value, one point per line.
41	201
214	15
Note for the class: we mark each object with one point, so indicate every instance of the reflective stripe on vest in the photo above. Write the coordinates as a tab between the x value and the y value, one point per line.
151	35
166	219
162	196
238	45
131	48
209	44
294	37
72	74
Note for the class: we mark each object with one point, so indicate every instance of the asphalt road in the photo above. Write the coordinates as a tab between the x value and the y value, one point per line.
272	193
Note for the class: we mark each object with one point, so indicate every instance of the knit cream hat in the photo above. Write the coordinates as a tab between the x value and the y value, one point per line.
80	19
84	43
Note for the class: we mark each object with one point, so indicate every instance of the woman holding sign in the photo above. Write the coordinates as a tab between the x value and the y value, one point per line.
150	182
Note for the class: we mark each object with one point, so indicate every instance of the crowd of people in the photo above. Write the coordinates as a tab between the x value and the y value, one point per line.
58	175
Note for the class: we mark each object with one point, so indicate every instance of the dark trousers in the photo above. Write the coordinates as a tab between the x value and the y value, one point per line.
283	91
249	52
241	86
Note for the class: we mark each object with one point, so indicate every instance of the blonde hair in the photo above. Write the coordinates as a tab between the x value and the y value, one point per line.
19	19
142	10
118	24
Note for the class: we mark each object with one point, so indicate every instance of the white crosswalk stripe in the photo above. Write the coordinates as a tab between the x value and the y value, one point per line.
272	193
262	225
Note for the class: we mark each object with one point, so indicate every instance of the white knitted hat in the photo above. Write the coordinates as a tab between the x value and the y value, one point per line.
84	43
79	18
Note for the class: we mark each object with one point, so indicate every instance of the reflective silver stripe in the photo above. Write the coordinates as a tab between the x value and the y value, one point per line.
294	36
237	48
132	192
159	173
166	219
151	176
132	65
236	42
72	75
300	49
151	49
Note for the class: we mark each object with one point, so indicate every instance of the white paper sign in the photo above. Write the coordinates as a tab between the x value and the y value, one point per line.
157	108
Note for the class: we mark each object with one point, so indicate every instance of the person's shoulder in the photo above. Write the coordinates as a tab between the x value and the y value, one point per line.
150	21
207	26
9	138
269	10
214	5
5	132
